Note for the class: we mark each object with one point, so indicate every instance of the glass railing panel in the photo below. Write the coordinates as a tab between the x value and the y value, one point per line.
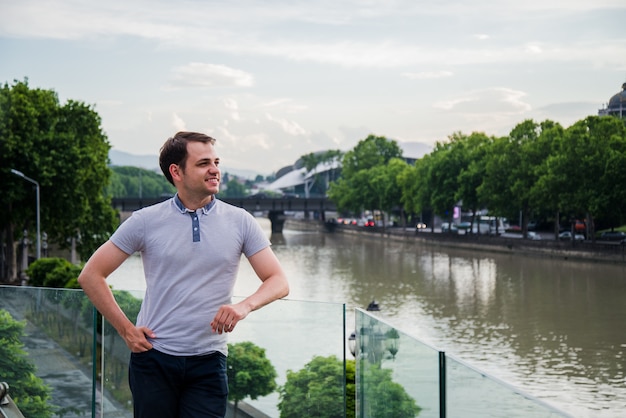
471	393
57	340
291	332
396	375
117	399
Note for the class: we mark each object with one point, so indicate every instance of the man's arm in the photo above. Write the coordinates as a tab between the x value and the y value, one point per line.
274	286
93	281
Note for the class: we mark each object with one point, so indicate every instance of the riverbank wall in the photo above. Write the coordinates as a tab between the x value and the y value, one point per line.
605	252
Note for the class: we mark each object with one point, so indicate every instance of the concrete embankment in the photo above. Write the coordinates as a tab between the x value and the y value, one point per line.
607	252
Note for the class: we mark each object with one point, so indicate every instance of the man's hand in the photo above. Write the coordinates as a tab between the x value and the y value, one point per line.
135	338
228	316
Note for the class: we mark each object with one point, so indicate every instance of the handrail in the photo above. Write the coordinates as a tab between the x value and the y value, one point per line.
8	409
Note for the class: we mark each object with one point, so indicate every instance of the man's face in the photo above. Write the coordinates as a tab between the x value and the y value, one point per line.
201	175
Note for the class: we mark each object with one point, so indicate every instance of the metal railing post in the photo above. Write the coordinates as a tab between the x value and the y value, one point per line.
442	384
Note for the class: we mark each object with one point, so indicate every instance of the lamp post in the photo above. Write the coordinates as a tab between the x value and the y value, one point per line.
22	175
373	342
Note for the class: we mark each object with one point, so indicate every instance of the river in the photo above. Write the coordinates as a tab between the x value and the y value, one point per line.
554	328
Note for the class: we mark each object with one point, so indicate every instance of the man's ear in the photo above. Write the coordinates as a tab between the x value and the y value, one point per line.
175	171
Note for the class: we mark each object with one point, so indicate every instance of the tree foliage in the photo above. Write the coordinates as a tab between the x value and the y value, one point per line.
539	168
53	272
138	182
234	188
63	148
250	373
28	391
316	391
383	397
368	178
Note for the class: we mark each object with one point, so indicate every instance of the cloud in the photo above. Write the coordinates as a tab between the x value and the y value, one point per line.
256	32
290	127
285	105
110	102
533	48
178	123
233	107
497	100
424	75
198	74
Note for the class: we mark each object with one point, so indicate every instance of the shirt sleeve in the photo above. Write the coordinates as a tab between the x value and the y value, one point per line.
129	236
255	238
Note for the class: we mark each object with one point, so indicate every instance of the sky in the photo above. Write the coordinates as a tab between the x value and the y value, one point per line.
274	80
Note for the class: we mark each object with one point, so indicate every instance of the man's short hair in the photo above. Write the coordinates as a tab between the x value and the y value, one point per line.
174	150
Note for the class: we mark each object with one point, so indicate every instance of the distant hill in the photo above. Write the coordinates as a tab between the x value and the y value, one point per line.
151	162
120	158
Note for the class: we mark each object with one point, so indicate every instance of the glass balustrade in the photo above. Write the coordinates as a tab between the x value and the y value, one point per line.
399	376
396	375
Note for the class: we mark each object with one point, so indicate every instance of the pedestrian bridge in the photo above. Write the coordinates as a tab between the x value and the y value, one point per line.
313	208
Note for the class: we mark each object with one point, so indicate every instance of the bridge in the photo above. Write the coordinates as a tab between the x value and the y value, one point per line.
275	207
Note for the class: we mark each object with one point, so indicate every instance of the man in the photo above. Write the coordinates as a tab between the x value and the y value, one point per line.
190	246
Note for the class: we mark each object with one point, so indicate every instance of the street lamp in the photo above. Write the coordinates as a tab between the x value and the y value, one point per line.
373	341
22	175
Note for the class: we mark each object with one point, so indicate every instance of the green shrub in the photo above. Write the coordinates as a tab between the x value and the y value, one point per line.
53	272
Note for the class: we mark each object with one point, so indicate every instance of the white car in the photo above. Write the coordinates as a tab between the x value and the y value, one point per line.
567	236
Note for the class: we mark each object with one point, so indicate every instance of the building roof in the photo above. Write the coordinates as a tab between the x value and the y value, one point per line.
300	176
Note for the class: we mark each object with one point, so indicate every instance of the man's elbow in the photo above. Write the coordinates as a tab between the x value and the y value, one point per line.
81	280
283	290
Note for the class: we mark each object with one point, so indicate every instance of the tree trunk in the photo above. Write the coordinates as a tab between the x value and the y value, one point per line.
9	256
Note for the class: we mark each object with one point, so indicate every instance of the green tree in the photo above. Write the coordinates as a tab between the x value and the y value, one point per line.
64	148
416	195
311	161
316	391
384	397
234	188
495	190
587	170
441	178
250	373
368	153
356	190
138	182
28	391
474	153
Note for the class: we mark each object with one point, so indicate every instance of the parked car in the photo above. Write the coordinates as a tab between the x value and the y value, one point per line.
518	235
613	236
448	227
579	226
567	236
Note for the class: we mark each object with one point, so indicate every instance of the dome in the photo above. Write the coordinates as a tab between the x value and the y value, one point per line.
618	99
616	105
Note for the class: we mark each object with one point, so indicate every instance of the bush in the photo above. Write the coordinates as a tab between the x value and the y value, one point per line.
53	272
28	391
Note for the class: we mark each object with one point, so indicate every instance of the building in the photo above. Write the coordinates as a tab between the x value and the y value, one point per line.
616	105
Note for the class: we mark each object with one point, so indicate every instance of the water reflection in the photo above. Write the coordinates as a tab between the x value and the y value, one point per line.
553	328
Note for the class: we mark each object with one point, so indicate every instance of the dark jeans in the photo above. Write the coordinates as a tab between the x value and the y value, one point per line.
167	386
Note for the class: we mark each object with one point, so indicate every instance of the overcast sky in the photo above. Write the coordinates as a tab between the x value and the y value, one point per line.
273	80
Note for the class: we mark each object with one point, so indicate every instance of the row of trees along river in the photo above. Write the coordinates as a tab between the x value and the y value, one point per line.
541	170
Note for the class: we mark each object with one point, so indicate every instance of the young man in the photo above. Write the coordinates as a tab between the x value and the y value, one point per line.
190	246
